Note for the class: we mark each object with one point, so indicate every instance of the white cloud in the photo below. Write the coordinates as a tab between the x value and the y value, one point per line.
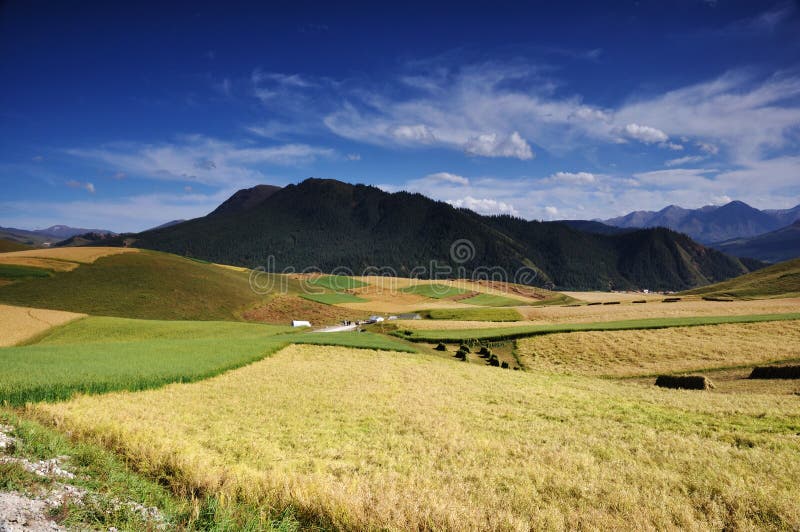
574	177
645	134
202	159
551	211
414	133
484	205
672	146
353	156
491	145
708	148
685	160
89	187
447	177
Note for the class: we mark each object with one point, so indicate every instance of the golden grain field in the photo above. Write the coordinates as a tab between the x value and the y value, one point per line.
379	440
624	311
18	324
73	254
646	352
37	262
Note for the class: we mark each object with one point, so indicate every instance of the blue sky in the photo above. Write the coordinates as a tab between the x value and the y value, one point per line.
126	116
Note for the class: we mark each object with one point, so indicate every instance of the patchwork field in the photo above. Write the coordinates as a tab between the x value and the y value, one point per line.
18	324
649	352
96	355
402	441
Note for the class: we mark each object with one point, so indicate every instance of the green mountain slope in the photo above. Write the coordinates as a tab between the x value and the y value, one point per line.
778	280
328	224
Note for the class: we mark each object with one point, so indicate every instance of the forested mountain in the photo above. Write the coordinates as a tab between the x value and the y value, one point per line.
328	224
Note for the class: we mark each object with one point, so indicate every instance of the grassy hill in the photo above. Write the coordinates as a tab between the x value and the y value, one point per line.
778	280
12	245
329	224
139	285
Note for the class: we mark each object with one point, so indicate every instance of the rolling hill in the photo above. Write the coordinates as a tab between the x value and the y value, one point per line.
775	246
778	280
146	284
328	224
711	223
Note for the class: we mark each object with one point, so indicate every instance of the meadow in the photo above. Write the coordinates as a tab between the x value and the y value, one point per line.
333	298
655	351
100	354
435	290
469	314
392	441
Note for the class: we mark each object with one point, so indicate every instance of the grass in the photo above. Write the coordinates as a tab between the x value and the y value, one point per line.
379	440
474	314
434	290
333	298
142	284
337	282
83	255
493	300
778	280
523	331
650	352
97	355
16	272
21	323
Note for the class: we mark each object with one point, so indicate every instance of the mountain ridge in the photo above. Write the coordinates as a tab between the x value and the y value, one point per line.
329	225
711	223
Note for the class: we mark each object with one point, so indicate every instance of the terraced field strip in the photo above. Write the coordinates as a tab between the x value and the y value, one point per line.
647	352
97	355
511	333
387	441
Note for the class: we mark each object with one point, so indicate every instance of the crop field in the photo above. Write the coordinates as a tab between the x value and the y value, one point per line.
657	309
388	440
648	352
467	314
18	324
84	255
56	265
15	272
333	298
337	282
96	355
522	331
434	290
493	300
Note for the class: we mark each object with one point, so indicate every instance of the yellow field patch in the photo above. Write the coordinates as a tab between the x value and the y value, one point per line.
36	262
624	311
379	440
84	255
18	324
590	297
646	352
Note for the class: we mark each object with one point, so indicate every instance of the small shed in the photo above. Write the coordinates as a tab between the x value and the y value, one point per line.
301	323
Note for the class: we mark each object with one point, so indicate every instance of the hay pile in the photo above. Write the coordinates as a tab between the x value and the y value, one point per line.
775	372
684	382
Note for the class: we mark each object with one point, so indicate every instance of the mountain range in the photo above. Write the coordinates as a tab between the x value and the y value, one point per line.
711	224
328	225
775	246
52	234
